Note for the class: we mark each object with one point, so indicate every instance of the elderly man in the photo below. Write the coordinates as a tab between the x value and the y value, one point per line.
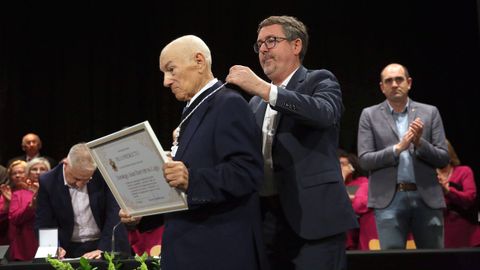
217	162
31	145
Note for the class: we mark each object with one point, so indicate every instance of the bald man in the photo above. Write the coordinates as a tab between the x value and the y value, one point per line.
31	145
401	142
217	161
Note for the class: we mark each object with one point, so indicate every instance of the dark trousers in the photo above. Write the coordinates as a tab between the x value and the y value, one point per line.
287	251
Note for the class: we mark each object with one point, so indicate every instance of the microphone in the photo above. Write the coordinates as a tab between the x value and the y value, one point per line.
113	239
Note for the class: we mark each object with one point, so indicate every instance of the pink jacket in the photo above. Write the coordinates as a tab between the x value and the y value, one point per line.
23	241
460	217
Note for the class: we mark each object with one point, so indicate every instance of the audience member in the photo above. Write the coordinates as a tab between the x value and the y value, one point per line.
352	174
16	180
353	177
305	206
461	220
74	198
401	142
217	162
23	241
31	145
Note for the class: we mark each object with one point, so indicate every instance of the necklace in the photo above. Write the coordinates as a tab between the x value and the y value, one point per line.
176	132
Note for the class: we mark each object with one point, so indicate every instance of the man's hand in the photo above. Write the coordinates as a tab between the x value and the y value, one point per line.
416	127
404	142
61	253
127	219
246	79
96	254
176	174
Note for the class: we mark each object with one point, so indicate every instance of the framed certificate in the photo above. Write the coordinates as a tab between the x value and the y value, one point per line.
131	162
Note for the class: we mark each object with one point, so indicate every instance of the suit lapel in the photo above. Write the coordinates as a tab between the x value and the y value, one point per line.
387	114
412	111
188	130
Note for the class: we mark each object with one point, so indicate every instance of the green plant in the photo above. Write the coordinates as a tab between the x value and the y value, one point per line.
85	265
110	257
141	260
59	265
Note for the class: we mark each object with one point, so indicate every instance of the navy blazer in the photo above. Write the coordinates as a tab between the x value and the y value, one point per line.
305	163
54	210
221	146
377	134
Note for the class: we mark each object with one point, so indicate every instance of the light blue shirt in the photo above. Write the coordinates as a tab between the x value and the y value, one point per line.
405	172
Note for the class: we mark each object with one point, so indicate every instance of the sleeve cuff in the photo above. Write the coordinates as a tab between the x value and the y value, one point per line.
272	97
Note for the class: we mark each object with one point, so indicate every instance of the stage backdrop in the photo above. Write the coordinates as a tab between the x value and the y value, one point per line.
76	71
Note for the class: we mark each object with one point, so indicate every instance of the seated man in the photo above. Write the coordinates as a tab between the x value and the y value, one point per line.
74	198
31	145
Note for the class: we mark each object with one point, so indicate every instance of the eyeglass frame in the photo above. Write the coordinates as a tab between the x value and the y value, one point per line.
273	40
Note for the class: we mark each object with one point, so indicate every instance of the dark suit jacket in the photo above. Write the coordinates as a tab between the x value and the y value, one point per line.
54	210
221	146
377	134
306	166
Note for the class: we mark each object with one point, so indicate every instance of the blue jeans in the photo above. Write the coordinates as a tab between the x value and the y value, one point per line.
407	212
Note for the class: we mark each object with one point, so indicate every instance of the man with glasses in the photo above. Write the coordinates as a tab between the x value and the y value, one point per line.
306	209
401	142
74	198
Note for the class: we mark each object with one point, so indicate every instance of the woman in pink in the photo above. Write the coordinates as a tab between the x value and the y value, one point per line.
460	216
366	217
353	177
21	215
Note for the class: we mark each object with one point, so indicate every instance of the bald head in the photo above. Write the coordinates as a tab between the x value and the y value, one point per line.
31	144
186	63
394	66
188	46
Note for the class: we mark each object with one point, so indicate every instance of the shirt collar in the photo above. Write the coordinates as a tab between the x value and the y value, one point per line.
404	110
207	86
287	80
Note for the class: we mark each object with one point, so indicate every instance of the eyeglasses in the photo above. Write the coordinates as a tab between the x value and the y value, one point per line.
270	43
397	80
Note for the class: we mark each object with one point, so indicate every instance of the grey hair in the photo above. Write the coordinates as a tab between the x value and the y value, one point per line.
79	157
36	161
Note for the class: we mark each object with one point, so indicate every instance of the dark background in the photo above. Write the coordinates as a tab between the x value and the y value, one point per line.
74	71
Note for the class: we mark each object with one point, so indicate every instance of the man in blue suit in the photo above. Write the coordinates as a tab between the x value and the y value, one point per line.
401	142
217	161
305	205
74	198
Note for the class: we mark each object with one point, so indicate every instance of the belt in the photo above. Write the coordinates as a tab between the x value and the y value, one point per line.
406	187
